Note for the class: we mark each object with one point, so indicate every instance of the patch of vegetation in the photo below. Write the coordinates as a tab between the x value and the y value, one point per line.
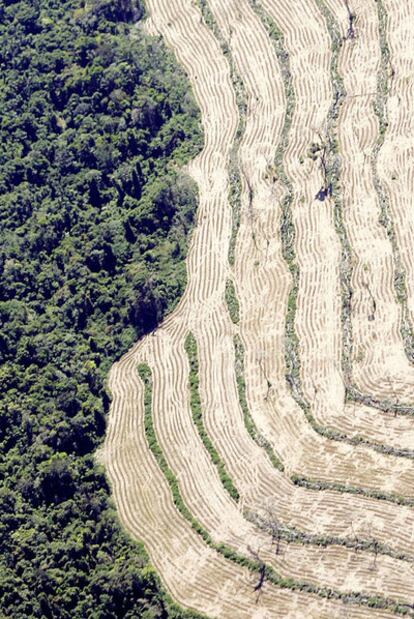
95	220
241	100
232	301
196	410
349	489
248	419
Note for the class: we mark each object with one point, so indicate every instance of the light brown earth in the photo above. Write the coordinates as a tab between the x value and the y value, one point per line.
196	575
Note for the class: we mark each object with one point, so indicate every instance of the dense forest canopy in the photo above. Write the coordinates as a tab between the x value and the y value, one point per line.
96	121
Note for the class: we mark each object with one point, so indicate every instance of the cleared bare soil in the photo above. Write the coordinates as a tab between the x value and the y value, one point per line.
269	470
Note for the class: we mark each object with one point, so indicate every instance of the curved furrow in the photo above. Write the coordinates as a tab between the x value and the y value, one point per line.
220	516
365	468
252	479
196	576
396	155
375	312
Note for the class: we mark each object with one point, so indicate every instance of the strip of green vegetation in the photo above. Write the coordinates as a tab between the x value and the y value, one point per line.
253	565
372	494
241	101
386	406
232	301
287	229
196	409
248	419
291	535
333	177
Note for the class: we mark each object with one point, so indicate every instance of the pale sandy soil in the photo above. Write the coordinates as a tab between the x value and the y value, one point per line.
196	575
376	314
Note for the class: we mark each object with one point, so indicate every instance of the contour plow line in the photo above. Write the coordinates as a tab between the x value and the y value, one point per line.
294	460
220	515
199	563
395	159
217	379
375	313
381	367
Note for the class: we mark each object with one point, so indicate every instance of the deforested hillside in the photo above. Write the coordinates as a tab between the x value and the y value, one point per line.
96	124
259	440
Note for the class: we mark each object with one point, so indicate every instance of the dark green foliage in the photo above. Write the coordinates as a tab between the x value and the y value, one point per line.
94	224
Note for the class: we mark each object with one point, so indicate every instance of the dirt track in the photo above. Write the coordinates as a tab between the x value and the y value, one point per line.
370	550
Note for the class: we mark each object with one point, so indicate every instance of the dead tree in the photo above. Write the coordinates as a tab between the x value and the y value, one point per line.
374	564
274	528
391	70
249	193
262	572
275	533
269	384
320	151
266	238
371	315
356	541
250	209
350	34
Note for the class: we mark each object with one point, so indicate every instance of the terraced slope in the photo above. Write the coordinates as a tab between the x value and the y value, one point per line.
259	441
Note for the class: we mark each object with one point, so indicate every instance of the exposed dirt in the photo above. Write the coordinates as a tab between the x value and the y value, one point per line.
196	574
